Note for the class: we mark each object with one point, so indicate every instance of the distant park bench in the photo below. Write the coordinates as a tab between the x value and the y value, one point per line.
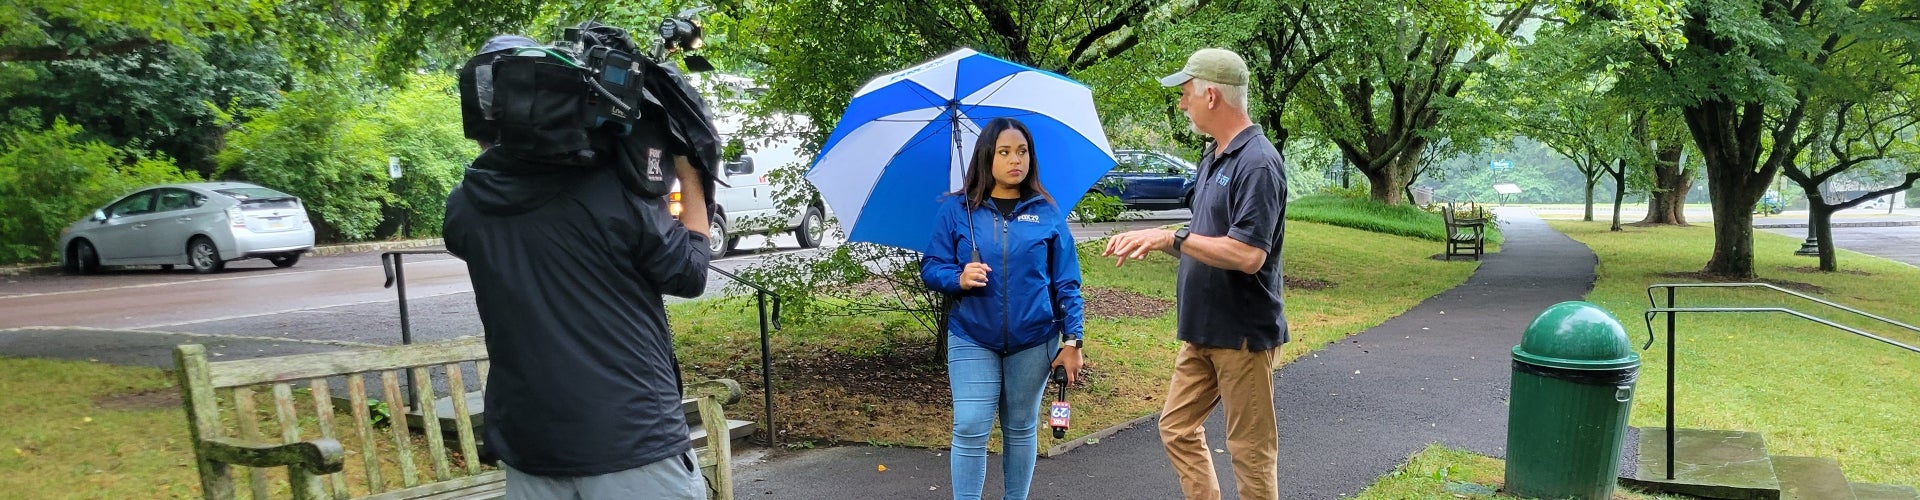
1465	237
307	455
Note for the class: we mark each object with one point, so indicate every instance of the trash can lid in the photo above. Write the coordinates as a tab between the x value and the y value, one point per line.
1576	335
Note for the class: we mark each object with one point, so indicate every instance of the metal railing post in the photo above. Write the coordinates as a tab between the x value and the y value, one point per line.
1671	325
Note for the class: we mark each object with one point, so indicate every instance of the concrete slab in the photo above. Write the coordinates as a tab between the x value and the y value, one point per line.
1707	463
1811	478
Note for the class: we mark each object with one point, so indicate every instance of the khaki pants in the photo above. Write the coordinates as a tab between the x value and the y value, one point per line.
1205	376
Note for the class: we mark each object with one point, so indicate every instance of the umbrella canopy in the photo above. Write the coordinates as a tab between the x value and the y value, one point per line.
906	138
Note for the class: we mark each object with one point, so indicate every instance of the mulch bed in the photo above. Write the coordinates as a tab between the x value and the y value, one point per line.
1810	269
1308	284
1711	278
1115	303
155	399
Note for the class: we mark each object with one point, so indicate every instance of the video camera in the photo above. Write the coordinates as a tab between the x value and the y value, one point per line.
594	98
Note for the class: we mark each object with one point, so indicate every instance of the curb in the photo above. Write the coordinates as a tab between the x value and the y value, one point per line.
318	251
1803	225
1063	448
331	250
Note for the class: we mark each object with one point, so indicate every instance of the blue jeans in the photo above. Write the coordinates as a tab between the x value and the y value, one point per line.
986	384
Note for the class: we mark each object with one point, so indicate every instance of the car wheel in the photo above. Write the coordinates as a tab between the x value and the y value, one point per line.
204	257
718	241
1187	201
285	260
85	259
813	228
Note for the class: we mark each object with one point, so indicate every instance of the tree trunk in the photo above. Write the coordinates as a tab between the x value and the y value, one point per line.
1667	203
1386	182
1820	222
1619	194
1590	183
1732	224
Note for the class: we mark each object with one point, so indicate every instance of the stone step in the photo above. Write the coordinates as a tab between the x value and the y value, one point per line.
1811	478
736	430
1707	463
1868	491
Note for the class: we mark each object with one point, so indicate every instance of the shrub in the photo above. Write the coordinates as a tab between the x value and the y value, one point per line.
1098	207
317	145
49	178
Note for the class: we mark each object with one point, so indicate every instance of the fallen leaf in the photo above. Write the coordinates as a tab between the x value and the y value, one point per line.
86	420
883	467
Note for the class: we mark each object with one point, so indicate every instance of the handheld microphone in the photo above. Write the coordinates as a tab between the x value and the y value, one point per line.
1061	414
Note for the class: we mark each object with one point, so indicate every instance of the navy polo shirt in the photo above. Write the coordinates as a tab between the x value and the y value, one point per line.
1241	194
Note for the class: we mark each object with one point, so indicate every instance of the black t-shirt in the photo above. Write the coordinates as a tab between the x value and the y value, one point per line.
1005	206
1241	194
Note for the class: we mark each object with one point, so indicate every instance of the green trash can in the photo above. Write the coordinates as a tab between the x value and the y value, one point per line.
1572	386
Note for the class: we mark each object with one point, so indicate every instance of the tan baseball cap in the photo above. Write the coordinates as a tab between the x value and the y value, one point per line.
1220	66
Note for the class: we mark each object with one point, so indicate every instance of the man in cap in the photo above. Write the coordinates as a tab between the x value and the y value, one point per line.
1231	323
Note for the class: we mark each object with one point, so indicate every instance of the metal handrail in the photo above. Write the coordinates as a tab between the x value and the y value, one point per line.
760	294
1671	311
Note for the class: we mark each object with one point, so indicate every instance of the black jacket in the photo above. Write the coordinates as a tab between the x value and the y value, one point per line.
568	270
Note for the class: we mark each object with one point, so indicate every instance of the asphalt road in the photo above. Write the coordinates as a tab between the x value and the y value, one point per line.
336	298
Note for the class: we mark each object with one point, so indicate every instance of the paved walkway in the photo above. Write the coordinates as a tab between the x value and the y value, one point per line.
1349	414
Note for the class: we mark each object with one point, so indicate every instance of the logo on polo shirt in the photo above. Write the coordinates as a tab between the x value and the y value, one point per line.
1221	179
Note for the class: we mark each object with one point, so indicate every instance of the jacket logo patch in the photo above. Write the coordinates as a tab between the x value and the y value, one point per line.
1029	218
1221	179
653	165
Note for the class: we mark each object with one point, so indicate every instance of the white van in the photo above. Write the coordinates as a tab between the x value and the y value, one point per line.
748	204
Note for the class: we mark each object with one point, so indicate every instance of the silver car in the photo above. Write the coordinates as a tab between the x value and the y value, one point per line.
203	225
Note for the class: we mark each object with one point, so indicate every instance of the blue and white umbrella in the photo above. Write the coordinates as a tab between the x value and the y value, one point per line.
895	150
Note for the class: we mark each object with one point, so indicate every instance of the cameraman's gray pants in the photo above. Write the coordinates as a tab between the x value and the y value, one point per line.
674	478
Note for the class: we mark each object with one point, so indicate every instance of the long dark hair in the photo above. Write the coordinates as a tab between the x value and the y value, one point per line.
979	176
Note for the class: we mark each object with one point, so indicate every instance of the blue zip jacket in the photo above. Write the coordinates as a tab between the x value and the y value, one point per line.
1033	291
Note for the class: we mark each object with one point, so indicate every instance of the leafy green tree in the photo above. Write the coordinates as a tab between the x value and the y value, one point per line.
320	145
51	177
163	98
420	125
1748	79
1872	133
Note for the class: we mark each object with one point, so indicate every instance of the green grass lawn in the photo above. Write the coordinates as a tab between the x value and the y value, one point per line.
58	442
1809	389
1440	472
1359	213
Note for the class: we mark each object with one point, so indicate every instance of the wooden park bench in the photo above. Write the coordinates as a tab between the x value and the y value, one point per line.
1465	237
321	452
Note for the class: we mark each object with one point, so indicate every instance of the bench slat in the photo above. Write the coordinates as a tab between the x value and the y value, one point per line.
304	485
307	366
203	417
463	419
430	421
397	422
363	427
323	415
482	366
246	413
463	487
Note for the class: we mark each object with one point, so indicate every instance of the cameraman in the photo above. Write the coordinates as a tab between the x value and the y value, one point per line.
568	268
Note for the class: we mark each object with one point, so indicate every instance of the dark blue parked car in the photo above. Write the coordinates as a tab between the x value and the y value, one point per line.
1148	180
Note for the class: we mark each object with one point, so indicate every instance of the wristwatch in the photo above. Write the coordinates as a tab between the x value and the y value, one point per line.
1179	237
1074	343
